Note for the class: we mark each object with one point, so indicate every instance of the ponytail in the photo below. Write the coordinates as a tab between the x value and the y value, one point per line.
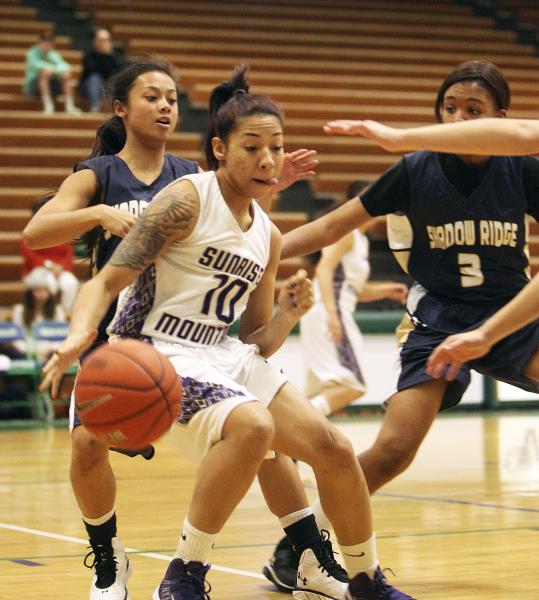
230	101
110	137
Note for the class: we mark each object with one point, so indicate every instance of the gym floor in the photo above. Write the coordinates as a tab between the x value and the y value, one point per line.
462	523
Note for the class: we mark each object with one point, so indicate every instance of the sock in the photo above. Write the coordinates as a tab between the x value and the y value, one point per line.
303	533
321	404
101	530
321	519
294	517
48	104
361	558
194	544
69	105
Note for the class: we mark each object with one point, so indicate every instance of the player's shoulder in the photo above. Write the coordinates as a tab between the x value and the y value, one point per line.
182	165
105	159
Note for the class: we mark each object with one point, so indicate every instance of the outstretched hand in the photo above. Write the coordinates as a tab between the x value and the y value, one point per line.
296	295
455	350
386	137
298	165
68	352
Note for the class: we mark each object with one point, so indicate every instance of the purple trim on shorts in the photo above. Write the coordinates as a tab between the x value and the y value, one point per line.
137	306
345	352
198	395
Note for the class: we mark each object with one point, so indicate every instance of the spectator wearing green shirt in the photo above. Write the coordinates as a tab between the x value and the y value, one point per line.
47	74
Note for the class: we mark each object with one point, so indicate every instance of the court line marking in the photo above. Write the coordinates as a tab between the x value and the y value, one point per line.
454	501
157	556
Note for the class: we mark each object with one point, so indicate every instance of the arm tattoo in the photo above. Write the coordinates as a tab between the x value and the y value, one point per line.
160	223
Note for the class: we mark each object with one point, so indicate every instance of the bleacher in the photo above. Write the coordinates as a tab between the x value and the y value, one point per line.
320	59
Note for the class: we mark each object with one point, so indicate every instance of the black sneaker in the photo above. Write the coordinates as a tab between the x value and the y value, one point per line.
147	452
282	567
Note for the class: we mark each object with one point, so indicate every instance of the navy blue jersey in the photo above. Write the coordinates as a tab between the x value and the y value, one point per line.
118	187
473	248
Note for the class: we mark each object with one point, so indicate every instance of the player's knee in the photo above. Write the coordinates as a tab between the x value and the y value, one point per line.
87	453
261	430
252	429
334	448
395	454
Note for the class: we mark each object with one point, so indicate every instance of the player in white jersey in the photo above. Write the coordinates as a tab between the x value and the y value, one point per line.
331	342
236	407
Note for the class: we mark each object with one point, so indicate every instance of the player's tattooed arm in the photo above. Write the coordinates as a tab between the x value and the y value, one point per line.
170	217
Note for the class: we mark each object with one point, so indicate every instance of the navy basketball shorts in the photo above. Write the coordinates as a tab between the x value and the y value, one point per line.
505	362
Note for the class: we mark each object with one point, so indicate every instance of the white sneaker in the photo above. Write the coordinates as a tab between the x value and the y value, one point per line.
112	570
320	577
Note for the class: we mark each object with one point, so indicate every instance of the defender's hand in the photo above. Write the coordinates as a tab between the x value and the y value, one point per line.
454	351
386	137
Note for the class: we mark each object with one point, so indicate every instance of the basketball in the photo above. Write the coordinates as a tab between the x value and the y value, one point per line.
127	394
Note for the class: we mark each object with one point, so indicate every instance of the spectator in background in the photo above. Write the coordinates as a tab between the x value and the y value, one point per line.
57	259
38	304
47	75
97	66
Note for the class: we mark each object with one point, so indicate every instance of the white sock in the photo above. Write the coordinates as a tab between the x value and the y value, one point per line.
69	105
321	520
48	104
294	517
194	544
99	520
321	404
361	558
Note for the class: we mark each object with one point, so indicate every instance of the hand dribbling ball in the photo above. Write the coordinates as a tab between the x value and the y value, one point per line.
127	394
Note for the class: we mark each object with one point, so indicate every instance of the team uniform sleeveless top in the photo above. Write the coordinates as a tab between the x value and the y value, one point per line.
325	359
202	283
119	188
464	252
351	273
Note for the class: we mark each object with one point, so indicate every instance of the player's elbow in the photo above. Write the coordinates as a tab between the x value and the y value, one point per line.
30	238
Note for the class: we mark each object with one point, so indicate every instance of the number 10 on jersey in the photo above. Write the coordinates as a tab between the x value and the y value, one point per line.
224	297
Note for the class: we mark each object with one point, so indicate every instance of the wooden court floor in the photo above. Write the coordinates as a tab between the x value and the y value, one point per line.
462	523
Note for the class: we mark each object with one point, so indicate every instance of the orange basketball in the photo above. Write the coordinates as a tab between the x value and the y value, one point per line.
127	394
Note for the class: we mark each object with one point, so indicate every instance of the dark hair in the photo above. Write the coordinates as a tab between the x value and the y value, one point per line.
46	36
42	200
485	74
29	308
231	101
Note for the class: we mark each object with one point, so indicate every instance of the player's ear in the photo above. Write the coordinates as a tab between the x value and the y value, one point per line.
119	109
502	113
218	148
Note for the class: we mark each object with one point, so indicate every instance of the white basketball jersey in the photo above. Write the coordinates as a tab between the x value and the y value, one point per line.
352	272
202	283
356	262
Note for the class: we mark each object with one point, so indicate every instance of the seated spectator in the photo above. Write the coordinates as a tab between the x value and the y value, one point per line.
47	75
98	65
58	259
38	304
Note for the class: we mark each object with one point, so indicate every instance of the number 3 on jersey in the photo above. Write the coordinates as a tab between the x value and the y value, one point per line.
229	292
470	270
